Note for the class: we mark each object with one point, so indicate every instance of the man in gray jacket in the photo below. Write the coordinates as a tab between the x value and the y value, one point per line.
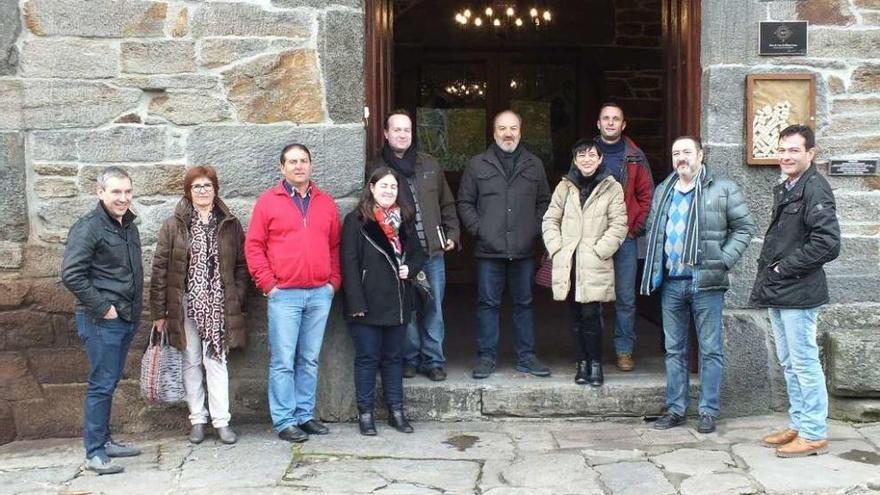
699	226
501	201
426	188
102	268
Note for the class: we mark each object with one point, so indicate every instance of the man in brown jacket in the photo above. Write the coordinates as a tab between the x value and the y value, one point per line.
426	188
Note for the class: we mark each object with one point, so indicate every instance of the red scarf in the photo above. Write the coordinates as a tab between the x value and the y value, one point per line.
389	221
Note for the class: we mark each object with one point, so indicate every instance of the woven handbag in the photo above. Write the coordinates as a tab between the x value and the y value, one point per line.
162	371
544	275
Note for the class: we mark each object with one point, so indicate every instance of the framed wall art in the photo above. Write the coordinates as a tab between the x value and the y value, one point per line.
773	102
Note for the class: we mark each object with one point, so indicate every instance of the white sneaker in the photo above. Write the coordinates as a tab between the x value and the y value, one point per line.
100	465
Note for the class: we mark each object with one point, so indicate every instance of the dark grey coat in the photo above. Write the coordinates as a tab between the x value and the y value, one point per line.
726	228
504	214
369	272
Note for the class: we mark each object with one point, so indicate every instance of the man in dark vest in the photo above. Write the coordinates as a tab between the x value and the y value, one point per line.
425	187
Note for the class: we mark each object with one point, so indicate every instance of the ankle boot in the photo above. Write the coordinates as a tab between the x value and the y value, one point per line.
398	420
597	377
582	375
366	423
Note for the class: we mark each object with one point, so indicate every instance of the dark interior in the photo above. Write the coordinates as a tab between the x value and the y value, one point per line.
453	77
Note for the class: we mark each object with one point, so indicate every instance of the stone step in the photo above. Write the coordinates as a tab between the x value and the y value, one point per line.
509	393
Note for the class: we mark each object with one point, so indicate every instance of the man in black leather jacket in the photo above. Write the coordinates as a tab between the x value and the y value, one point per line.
102	268
802	237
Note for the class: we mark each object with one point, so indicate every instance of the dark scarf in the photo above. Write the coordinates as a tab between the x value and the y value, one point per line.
587	184
405	165
508	160
204	287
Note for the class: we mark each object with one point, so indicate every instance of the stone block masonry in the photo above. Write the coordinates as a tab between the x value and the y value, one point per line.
155	86
844	38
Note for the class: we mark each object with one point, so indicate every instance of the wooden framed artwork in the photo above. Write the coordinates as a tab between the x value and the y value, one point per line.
773	102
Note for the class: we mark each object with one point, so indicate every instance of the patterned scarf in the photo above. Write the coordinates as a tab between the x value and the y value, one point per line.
690	256
204	288
389	221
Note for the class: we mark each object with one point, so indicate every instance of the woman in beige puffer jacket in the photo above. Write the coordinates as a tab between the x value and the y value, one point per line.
582	229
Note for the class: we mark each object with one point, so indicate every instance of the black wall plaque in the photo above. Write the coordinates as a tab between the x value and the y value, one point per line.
782	38
853	167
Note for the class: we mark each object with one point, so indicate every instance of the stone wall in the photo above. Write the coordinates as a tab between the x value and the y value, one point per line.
156	86
844	42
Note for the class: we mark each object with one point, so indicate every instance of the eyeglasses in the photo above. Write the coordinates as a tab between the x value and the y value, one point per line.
585	154
202	187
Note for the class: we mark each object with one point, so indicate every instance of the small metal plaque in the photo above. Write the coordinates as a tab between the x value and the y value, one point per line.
782	38
853	167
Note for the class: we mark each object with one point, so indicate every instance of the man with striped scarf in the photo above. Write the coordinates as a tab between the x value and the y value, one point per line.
699	226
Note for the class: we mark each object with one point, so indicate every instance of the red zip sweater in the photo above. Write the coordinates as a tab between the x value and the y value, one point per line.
285	249
638	189
638	186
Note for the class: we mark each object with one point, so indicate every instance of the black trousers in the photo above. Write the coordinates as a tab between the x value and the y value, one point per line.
378	347
587	324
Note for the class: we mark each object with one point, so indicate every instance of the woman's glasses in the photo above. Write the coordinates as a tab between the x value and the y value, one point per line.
202	187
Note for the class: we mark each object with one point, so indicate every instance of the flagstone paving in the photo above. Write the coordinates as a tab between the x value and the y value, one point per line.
500	457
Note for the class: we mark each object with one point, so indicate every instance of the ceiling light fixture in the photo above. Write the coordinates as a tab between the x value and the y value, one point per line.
512	18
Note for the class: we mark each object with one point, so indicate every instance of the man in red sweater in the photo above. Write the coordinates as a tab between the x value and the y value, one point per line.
292	250
628	164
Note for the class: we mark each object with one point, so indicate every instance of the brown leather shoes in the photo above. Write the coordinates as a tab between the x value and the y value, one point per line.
780	438
801	447
625	362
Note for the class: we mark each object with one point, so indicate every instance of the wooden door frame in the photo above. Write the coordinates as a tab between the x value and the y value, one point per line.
681	21
378	69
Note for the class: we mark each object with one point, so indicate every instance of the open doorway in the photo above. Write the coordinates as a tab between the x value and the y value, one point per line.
453	77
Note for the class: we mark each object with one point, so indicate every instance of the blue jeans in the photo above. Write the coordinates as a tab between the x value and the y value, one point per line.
106	343
492	274
626	263
297	318
680	301
378	347
795	333
425	332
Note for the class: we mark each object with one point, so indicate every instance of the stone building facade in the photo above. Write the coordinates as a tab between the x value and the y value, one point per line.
159	85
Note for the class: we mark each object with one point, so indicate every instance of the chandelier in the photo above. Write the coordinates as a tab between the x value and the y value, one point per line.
504	15
466	88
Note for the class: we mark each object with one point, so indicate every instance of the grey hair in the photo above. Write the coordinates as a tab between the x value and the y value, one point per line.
499	114
111	173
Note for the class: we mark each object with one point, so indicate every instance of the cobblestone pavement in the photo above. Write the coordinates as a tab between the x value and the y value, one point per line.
502	457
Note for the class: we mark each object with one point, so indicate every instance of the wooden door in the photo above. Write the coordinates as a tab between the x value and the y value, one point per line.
681	33
378	69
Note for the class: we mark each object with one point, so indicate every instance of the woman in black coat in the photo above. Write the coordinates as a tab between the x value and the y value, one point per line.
380	255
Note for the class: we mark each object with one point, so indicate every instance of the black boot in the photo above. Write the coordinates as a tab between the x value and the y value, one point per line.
398	420
366	423
597	377
582	375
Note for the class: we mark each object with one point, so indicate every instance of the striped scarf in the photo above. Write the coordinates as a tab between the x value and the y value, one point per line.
690	256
